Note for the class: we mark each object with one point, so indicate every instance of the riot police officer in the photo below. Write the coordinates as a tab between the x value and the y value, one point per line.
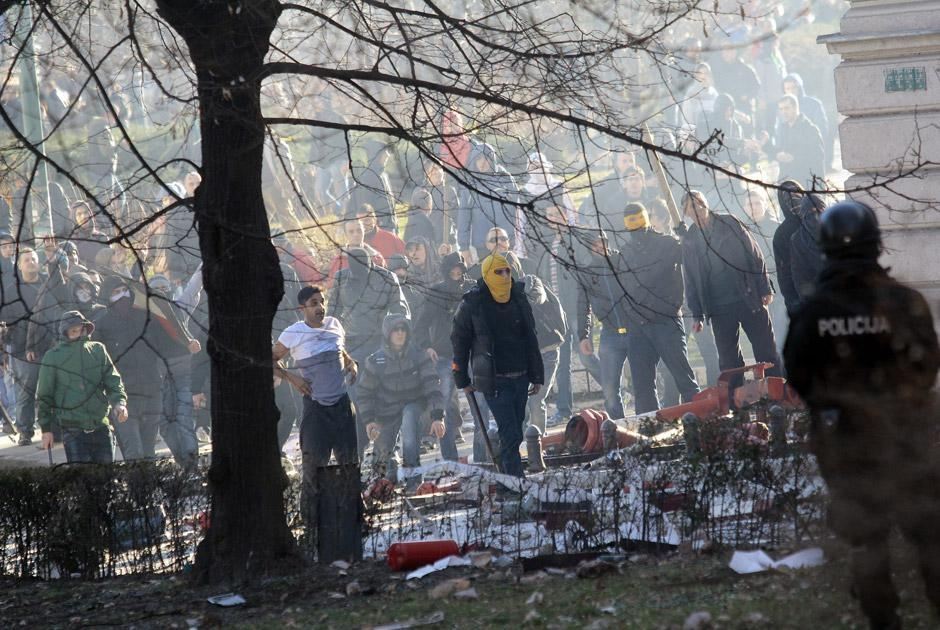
862	352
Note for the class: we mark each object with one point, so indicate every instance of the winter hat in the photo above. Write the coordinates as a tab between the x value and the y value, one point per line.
74	318
636	217
398	261
450	261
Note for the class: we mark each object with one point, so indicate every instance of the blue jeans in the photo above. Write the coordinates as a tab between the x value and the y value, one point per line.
649	343
565	396
536	404
613	351
408	423
507	404
93	447
25	379
452	419
177	426
137	437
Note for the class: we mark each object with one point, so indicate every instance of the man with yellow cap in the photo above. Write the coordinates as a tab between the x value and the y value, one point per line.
652	278
496	352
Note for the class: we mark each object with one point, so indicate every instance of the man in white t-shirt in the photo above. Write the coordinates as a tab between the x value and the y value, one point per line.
317	346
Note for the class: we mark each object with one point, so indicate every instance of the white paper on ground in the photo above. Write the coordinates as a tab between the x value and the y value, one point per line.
440	565
226	600
745	562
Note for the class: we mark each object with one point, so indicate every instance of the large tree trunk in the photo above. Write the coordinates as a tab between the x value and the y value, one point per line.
248	532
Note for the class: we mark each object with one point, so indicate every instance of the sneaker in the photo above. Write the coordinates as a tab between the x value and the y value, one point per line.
25	440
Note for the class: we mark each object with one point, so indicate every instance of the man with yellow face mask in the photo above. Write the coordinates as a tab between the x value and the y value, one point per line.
495	345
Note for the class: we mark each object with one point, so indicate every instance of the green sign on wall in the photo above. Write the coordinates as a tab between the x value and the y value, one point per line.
905	79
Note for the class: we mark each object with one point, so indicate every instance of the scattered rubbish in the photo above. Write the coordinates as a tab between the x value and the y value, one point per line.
535	599
440	565
533	578
340	564
700	620
448	588
595	568
227	599
336	596
502	562
532	617
467	593
559	560
353	589
609	609
404	556
481	559
745	562
432	619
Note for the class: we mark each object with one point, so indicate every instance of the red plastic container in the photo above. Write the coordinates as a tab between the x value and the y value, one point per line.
405	556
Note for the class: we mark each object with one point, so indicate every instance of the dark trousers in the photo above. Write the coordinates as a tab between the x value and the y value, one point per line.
137	437
286	400
178	427
25	379
93	447
613	352
507	404
875	483
325	429
759	330
646	345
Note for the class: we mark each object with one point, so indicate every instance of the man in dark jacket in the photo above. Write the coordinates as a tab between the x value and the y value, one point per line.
488	202
494	337
398	385
551	329
362	295
789	197
806	258
863	354
555	257
432	328
19	308
798	143
654	296
601	293
131	334
728	284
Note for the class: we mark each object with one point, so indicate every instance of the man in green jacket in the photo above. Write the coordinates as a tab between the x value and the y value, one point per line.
78	389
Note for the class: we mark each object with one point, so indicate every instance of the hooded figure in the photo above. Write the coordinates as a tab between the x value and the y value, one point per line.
370	184
85	232
789	198
362	295
133	337
85	295
488	201
810	106
806	257
498	283
432	330
397	386
78	387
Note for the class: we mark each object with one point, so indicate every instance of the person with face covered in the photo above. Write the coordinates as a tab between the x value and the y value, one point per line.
789	198
398	385
130	335
85	232
806	256
495	345
414	292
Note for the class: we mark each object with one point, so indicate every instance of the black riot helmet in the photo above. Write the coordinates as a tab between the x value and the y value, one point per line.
849	229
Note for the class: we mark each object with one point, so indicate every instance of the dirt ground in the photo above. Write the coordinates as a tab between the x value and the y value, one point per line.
638	591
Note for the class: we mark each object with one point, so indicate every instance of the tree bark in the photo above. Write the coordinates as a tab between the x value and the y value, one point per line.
248	533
